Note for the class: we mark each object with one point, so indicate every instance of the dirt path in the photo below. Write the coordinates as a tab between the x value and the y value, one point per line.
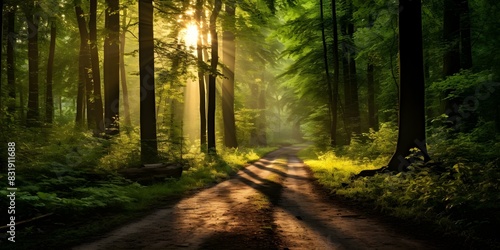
271	204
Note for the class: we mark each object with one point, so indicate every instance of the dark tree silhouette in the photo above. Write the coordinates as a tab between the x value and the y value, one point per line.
201	76
212	78
149	144
11	66
96	75
112	67
49	99
412	87
33	114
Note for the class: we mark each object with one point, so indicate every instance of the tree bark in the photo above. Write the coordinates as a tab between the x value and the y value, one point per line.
412	87
83	99
123	73
212	78
33	114
112	67
329	84
49	98
96	75
372	113
465	35
336	73
11	65
149	144
201	75
228	57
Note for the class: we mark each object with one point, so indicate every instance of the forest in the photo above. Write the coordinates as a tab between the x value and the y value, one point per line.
112	109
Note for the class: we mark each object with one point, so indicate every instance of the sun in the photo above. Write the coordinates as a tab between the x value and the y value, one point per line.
191	34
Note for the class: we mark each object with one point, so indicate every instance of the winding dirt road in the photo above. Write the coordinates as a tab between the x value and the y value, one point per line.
271	204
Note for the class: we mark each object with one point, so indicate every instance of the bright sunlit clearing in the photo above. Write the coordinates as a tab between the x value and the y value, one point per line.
191	34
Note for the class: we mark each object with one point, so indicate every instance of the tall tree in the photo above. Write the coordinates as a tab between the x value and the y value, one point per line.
411	132
49	99
112	67
96	75
465	35
370	85
451	34
333	130
85	86
33	114
201	75
336	73
212	78
11	66
353	78
1	51
149	144
123	73
228	57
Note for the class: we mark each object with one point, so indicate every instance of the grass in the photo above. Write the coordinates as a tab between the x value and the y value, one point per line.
89	201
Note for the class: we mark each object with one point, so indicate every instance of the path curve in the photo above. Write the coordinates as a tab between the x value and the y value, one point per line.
271	204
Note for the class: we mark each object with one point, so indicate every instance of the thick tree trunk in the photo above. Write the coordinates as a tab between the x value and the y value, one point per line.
212	78
49	98
149	144
201	75
412	87
96	75
112	67
123	73
11	65
33	114
346	82
228	57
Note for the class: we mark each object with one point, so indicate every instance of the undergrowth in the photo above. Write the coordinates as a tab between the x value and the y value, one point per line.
458	193
73	176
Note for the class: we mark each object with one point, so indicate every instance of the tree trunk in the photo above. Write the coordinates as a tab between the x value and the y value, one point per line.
49	99
228	57
123	73
112	67
96	75
1	53
465	35
336	73
11	65
212	78
201	76
451	57
412	87
372	113
346	82
353	79
329	84
149	144
83	99
261	123
33	114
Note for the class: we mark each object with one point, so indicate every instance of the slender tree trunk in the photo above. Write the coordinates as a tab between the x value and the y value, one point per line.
451	57
1	53
353	78
112	67
346	47
201	75
329	84
412	87
11	65
123	73
228	57
336	71
212	78
49	98
83	100
33	114
96	75
149	144
465	35
372	113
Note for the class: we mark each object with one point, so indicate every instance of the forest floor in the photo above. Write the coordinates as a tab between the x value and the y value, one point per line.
273	203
